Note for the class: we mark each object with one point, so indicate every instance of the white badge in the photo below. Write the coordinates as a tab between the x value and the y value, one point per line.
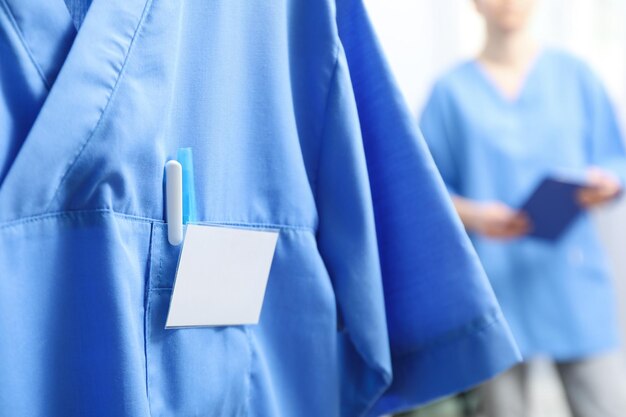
221	276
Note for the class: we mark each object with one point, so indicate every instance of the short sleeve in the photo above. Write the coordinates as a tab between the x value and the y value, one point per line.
399	234
604	138
435	124
347	242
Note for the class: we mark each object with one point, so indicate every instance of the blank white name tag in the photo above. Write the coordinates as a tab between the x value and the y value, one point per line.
221	277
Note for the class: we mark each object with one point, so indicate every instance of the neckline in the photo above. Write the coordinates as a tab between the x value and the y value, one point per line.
46	32
74	107
496	90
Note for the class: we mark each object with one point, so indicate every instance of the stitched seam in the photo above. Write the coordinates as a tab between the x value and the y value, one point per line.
257	225
331	83
159	279
73	213
132	217
248	381
116	84
146	319
476	326
148	337
20	35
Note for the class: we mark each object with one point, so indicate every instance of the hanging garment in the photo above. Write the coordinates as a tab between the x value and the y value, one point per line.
375	300
558	296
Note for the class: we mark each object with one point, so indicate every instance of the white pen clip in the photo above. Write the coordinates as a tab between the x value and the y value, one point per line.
174	201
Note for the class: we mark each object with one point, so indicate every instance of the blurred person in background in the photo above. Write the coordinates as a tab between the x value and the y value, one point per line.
496	126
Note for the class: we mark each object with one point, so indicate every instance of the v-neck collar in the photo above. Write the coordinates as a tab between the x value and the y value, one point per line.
47	32
74	107
496	90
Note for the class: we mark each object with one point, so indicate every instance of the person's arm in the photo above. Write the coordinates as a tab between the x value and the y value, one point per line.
603	187
492	219
606	152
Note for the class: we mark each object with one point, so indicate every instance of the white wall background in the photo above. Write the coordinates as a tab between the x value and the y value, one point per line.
422	38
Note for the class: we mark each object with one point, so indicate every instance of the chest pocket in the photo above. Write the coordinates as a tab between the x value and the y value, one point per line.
195	371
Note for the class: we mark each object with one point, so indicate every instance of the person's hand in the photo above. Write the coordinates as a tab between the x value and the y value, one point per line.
497	220
603	187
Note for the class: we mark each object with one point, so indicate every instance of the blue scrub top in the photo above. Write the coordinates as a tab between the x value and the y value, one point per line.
558	297
375	301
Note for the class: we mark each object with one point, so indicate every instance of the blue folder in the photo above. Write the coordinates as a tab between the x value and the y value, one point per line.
553	207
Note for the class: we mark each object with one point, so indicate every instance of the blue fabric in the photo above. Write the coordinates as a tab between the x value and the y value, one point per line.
435	323
557	297
375	300
78	9
34	40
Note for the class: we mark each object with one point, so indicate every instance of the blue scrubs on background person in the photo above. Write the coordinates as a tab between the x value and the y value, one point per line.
490	148
375	301
557	296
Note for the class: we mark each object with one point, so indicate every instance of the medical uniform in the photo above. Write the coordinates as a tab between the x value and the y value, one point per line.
557	296
375	300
